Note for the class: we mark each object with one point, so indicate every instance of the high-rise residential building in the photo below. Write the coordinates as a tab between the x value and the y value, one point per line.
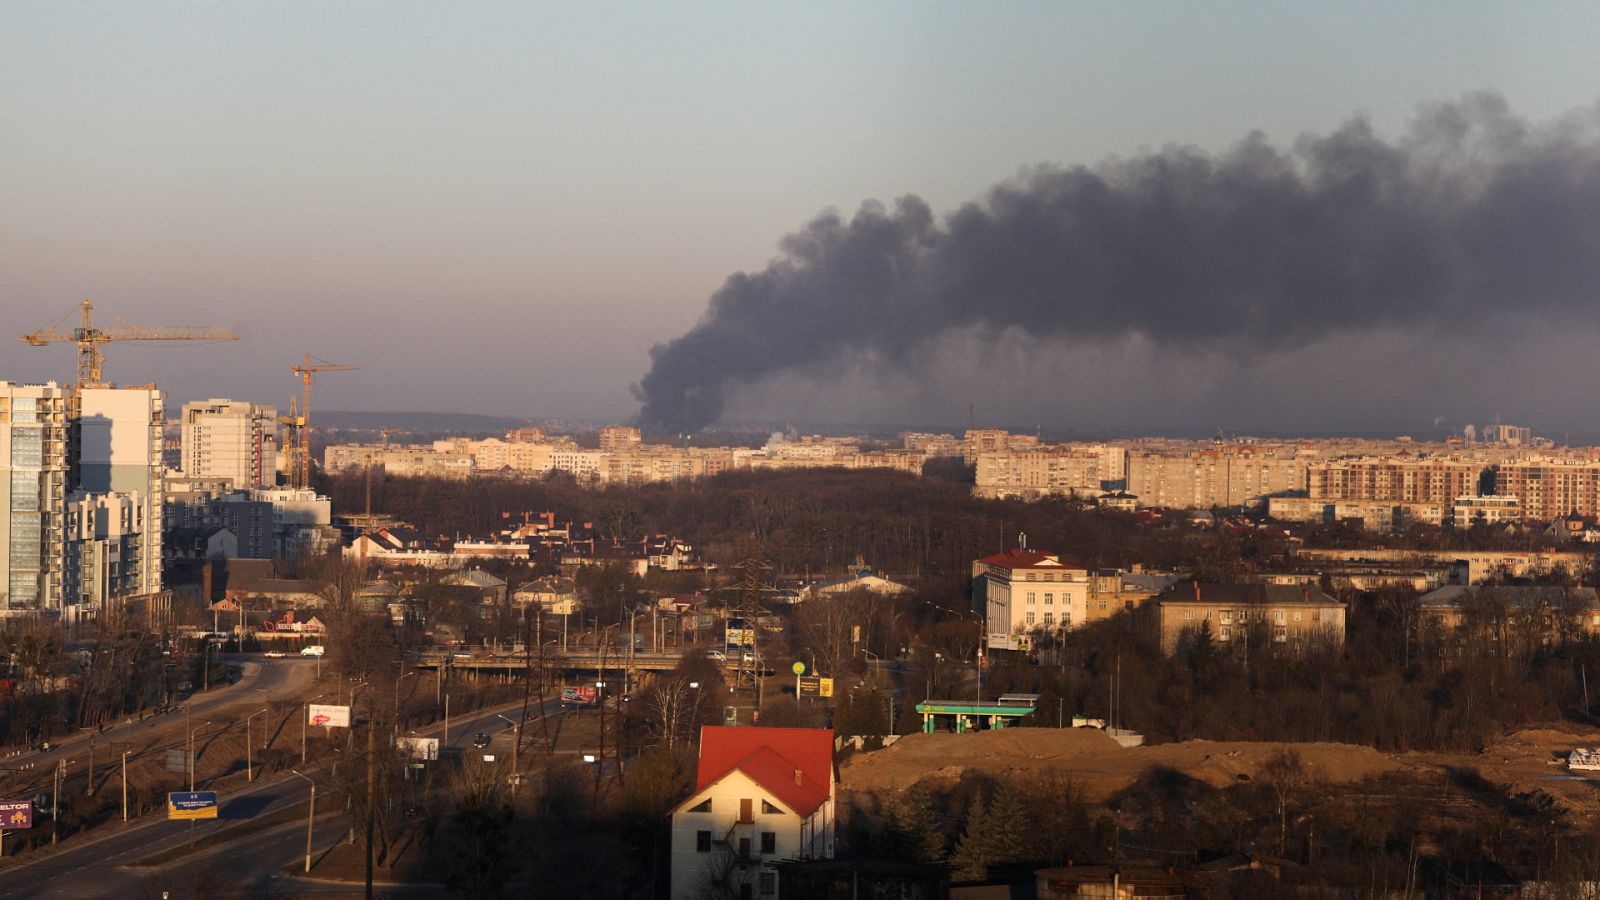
116	450
1550	489
231	439
106	536
33	456
619	437
1433	480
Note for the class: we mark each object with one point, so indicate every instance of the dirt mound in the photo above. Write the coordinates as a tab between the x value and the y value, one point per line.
1093	759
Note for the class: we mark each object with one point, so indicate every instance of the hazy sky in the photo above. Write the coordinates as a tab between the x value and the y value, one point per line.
500	208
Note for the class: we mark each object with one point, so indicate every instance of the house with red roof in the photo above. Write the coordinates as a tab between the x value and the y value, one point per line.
762	795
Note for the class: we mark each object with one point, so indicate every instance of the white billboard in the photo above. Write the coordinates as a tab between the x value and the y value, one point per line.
329	716
425	748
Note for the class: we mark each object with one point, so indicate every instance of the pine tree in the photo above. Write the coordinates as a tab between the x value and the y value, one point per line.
1007	826
971	859
920	821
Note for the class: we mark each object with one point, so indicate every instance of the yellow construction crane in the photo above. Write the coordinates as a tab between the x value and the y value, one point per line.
300	425
92	360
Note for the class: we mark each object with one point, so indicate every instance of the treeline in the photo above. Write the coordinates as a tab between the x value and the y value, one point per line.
816	521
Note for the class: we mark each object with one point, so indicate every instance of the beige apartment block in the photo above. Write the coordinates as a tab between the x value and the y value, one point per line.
1290	616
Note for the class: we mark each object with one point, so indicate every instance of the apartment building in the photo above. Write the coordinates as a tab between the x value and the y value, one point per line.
1431	480
33	494
1219	476
1540	614
116	444
619	437
1549	489
1071	470
230	439
105	558
1288	615
1373	515
761	796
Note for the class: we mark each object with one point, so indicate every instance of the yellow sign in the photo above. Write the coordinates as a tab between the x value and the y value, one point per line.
825	687
204	812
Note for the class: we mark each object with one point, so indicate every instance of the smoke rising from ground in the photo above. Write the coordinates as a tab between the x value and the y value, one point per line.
1471	213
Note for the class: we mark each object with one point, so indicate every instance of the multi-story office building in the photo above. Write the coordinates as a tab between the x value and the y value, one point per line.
233	440
33	491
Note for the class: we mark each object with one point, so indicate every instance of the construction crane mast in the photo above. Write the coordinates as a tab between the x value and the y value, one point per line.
92	360
299	429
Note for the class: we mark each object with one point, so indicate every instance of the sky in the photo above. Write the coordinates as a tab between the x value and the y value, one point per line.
501	207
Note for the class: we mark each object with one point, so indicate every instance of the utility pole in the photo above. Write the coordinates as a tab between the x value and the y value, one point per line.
55	796
372	725
305	714
311	814
125	785
249	756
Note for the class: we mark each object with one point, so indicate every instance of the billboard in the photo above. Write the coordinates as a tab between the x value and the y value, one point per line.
192	805
417	747
328	716
15	815
580	696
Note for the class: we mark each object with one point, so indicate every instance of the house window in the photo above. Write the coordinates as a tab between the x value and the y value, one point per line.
768	809
1279	615
1049	599
1030	598
1227	632
703	806
769	883
1188	614
1279	633
1207	616
1049	619
1297	615
1032	577
769	843
702	842
1316	615
1030	618
1227	617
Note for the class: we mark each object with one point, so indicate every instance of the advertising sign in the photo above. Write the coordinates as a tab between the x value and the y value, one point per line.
192	805
584	695
329	716
15	815
810	686
177	761
825	687
418	747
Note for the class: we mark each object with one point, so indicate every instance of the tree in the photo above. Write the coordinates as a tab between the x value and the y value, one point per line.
1285	775
971	859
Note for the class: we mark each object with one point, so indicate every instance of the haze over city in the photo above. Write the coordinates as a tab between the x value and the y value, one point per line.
502	209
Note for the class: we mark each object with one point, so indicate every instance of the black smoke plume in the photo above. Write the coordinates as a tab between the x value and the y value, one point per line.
1471	213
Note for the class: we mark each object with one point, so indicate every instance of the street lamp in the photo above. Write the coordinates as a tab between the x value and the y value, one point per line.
191	753
516	748
249	758
125	784
311	813
305	713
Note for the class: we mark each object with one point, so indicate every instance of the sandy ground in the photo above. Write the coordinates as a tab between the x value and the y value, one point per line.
1094	760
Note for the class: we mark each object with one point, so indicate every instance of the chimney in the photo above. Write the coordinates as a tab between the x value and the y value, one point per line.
1196	583
797	774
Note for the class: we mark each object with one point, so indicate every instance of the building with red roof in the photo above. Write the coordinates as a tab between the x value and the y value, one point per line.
762	795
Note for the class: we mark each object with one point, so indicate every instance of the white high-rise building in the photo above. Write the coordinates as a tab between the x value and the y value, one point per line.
231	439
118	452
33	458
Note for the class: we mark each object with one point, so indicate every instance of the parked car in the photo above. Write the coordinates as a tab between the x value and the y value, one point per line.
717	655
480	740
313	650
274	654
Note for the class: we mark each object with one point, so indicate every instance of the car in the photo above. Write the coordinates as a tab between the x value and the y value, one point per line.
313	650
186	686
274	654
716	655
480	740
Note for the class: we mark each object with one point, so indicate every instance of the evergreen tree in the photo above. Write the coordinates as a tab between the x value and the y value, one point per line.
971	859
1007	828
920	821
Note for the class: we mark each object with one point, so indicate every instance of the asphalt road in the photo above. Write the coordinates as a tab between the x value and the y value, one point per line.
102	866
279	678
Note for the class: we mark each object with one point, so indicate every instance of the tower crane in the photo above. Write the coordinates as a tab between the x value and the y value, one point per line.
300	425
92	359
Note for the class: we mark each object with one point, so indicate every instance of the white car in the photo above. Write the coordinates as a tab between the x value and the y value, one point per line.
718	655
313	650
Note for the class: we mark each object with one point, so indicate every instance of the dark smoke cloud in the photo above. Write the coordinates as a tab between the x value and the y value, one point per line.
1471	213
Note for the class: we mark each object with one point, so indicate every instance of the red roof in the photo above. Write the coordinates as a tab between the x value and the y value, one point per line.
1023	559
771	757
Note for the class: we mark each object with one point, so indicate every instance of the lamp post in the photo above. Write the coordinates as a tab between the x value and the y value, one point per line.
311	813
249	756
191	753
125	784
516	748
305	713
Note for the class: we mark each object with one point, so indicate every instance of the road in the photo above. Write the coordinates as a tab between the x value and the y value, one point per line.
279	678
101	866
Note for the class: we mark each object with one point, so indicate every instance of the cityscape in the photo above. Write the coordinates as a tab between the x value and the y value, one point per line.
418	507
